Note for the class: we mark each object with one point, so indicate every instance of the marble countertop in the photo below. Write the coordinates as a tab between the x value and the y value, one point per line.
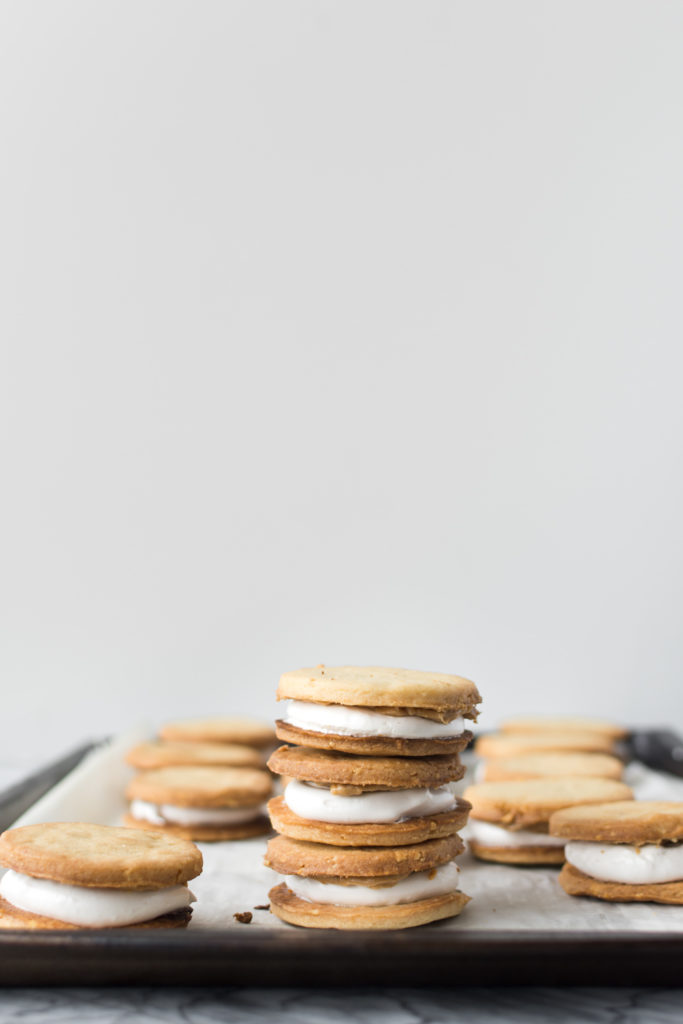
344	1006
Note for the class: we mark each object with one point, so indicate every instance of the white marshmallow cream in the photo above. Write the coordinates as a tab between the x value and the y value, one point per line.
487	834
418	886
316	803
629	865
337	720
169	814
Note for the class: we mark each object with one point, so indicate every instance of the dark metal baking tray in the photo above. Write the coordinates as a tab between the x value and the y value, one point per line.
431	955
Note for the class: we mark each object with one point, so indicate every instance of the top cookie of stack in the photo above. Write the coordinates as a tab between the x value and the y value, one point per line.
377	748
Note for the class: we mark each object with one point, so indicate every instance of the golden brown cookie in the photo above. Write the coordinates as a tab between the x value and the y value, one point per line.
634	822
288	907
562	724
294	857
401	833
247	731
99	856
330	767
534	766
202	786
576	883
380	745
12	917
518	805
379	688
526	855
512	744
206	833
161	754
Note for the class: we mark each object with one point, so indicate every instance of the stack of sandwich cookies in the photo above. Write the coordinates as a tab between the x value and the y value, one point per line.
365	888
75	875
536	766
348	800
623	852
204	803
163	753
248	732
509	822
368	821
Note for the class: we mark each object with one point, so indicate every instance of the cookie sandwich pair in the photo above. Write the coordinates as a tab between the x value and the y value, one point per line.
369	823
76	875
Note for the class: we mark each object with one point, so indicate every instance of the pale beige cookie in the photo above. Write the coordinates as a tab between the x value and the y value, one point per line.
512	744
534	766
635	822
330	767
259	826
315	860
576	883
202	786
162	753
518	805
248	731
378	688
562	724
288	907
99	856
379	745
527	855
12	917
401	833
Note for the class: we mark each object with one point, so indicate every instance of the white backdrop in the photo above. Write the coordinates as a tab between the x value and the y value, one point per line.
338	331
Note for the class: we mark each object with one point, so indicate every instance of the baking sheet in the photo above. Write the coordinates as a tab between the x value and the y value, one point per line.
234	878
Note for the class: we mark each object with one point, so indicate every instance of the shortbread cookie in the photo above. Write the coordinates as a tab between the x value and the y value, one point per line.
64	875
377	711
534	766
626	852
246	731
285	905
315	860
559	723
513	744
509	820
331	768
201	802
162	754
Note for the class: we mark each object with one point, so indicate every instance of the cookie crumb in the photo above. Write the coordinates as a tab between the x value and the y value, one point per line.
262	906
244	917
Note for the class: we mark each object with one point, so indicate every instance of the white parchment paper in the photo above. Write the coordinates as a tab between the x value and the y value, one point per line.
234	878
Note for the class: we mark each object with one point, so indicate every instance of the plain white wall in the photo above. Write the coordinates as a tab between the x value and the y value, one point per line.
338	331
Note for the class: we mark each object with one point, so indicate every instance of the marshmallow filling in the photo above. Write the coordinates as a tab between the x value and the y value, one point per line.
487	834
317	803
629	865
169	814
418	886
91	908
338	720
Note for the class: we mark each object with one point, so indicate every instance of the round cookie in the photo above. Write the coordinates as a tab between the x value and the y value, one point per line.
315	860
546	723
634	822
162	754
202	786
576	883
12	917
259	826
374	745
401	833
99	856
332	768
288	907
523	804
512	744
533	766
247	731
378	688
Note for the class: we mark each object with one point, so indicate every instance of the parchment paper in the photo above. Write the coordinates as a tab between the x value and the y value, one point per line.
234	878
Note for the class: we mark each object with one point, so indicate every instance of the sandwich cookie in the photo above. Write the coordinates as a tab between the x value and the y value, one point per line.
386	887
246	731
200	802
74	875
546	723
509	820
377	711
348	800
161	753
623	852
534	766
513	744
